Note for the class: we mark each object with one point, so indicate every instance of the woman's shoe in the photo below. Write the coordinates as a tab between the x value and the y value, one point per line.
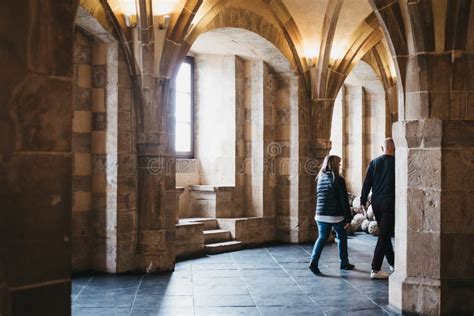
314	268
347	266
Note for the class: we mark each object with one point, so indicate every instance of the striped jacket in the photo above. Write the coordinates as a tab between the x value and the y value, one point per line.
331	197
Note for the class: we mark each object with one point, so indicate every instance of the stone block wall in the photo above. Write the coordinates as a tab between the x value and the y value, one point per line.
187	174
104	187
83	216
127	212
251	231
285	151
189	240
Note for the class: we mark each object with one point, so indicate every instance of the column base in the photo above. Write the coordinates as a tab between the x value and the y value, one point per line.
415	295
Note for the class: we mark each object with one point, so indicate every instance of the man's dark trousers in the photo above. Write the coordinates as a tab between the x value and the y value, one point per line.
385	215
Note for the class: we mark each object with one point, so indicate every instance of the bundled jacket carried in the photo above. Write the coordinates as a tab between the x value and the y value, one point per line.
332	198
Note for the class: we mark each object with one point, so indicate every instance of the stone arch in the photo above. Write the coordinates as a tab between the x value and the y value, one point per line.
364	39
91	17
232	17
283	33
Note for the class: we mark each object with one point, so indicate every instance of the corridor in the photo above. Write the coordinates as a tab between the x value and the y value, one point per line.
273	280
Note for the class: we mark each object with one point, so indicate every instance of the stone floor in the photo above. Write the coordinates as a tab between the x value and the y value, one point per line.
273	280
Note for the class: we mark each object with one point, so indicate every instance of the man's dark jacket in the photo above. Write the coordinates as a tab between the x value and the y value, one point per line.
380	178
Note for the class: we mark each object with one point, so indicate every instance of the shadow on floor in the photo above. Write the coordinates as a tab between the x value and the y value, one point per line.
273	280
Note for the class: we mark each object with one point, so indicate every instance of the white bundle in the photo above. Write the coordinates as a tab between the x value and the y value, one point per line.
356	222
356	201
365	225
358	219
356	210
373	228
370	214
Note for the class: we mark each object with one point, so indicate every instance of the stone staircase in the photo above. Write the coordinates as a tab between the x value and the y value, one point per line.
216	240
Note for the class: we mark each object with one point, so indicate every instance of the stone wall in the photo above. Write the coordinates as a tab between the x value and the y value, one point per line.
187	174
189	240
215	118
83	218
286	151
104	238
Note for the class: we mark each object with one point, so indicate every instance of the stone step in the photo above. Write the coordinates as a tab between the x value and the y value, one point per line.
209	223
222	247
212	236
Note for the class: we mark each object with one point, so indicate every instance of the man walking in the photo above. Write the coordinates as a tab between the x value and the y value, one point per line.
380	178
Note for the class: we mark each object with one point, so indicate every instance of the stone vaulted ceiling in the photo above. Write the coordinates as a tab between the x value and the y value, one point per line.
309	17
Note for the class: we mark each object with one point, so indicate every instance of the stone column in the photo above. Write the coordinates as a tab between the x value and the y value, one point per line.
434	190
254	138
269	144
35	156
353	103
240	148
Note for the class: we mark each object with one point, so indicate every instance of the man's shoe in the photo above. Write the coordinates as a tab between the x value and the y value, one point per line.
314	268
347	266
392	269
379	275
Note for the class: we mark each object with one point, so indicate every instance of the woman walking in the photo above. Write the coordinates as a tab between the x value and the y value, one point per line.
332	210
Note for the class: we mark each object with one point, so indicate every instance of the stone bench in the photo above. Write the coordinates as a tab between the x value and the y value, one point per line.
212	201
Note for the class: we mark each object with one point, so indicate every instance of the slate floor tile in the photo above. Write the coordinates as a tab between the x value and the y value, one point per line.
226	289
223	300
163	311
274	280
227	311
290	310
158	301
80	311
282	300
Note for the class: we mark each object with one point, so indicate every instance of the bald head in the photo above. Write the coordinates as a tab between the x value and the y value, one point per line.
388	147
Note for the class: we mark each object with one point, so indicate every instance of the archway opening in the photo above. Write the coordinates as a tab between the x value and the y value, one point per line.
241	109
359	127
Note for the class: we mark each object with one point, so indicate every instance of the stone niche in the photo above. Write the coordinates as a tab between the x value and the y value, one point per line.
212	201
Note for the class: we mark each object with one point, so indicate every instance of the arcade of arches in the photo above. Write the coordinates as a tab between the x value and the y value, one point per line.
90	179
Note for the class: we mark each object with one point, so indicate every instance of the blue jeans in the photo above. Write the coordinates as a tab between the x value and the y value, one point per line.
324	231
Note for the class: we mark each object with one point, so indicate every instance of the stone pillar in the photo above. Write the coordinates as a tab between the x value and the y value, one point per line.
127	170
35	156
240	148
253	135
434	189
269	144
434	230
353	103
104	155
